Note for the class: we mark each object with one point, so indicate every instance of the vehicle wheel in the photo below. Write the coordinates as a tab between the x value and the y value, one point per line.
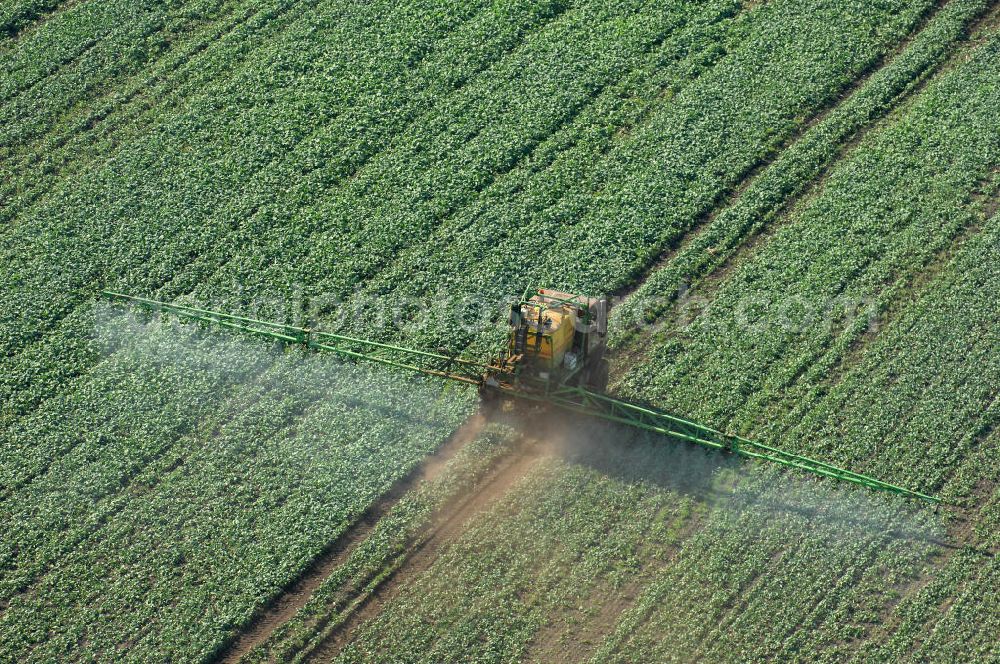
489	400
597	377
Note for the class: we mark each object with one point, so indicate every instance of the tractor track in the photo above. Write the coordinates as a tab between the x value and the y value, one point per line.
159	25
290	600
68	61
745	180
984	208
284	605
37	21
451	520
758	237
164	23
218	268
631	351
113	102
909	286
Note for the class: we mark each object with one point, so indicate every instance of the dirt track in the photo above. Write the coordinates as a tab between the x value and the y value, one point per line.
284	607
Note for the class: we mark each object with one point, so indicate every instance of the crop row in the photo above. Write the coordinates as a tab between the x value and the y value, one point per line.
31	385
386	548
567	532
137	38
119	112
162	185
922	411
72	36
953	613
285	123
914	405
612	216
219	522
790	313
466	145
784	566
174	179
19	14
261	136
769	194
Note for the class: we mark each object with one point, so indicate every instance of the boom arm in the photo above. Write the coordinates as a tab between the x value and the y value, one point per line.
570	398
433	364
580	400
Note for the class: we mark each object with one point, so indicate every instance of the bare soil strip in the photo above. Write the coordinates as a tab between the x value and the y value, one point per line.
588	631
450	521
286	604
454	517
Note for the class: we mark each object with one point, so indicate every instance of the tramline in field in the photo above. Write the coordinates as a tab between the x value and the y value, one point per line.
555	355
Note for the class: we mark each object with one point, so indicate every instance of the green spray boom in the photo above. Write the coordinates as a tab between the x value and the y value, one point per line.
493	379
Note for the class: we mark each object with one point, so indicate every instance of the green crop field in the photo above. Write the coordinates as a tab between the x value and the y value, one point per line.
792	203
